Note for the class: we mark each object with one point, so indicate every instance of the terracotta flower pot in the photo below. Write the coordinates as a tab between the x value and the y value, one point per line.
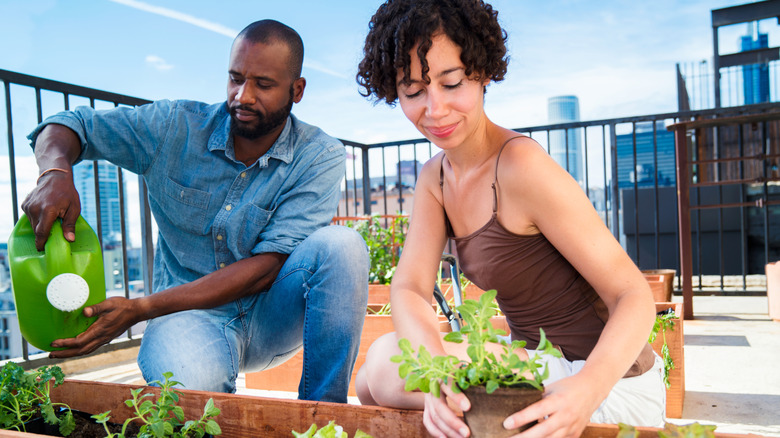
488	411
663	293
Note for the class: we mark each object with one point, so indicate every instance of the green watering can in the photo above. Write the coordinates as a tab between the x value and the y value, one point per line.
51	288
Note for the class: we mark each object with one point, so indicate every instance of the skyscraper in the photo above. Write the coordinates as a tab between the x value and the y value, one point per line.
755	77
566	145
110	214
652	160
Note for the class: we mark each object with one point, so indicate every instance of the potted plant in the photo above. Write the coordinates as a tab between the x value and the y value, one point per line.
497	386
26	396
384	244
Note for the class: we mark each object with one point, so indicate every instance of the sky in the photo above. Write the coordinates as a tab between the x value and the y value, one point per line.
617	56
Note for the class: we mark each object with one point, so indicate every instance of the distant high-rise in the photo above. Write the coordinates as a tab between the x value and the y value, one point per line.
566	146
755	77
110	213
654	157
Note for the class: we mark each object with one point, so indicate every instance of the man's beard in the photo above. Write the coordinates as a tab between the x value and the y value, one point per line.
263	125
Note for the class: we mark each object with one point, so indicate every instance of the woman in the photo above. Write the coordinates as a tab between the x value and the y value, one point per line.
521	226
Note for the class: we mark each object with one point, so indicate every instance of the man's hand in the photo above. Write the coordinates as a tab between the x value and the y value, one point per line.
115	316
54	197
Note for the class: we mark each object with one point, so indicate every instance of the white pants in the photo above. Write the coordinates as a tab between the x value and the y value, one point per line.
638	401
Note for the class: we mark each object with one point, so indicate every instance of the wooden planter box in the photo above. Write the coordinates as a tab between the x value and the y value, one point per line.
245	416
286	376
675	395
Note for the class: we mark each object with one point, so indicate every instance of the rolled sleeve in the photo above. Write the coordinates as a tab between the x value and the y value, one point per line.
308	206
125	136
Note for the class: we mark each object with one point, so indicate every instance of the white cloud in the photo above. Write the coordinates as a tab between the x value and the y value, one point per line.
180	16
158	63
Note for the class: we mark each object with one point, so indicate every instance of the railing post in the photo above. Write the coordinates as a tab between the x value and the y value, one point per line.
147	246
684	217
366	182
615	189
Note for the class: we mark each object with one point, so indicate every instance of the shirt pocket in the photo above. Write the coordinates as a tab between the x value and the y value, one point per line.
253	221
186	207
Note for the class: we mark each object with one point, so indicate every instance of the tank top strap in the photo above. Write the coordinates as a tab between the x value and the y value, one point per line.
495	178
441	174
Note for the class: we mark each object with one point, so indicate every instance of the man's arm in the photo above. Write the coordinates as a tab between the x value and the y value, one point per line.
117	314
55	196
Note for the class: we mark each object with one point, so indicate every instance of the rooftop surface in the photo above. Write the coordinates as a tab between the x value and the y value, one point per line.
732	367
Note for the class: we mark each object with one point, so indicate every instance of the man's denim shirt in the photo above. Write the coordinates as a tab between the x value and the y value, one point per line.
211	209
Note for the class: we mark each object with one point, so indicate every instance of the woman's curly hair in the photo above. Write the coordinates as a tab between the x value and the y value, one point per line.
400	24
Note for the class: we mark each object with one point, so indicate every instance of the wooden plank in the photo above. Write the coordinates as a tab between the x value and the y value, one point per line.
675	340
246	416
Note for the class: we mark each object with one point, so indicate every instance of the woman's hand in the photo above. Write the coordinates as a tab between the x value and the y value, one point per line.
440	419
566	407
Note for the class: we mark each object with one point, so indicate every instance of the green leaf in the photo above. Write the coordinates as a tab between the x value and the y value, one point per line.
360	434
454	337
67	423
210	410
47	411
491	386
308	434
627	431
213	428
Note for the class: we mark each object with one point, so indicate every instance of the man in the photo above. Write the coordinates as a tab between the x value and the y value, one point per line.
246	272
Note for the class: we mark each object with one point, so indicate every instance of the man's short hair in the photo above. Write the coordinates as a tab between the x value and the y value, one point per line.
268	31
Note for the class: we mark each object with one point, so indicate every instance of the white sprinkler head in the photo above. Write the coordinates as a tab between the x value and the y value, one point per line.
67	292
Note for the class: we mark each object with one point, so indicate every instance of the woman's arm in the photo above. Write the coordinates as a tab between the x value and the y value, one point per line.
411	291
537	194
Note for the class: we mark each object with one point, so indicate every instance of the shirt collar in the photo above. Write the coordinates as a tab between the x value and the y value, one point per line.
282	149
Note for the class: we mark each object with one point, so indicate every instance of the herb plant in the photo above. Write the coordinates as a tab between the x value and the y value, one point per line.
26	394
164	418
424	372
693	430
384	245
662	323
331	430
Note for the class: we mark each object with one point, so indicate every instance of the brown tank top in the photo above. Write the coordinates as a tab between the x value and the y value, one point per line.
536	286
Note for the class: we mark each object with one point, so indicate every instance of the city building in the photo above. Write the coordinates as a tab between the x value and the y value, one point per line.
566	146
110	213
654	157
755	77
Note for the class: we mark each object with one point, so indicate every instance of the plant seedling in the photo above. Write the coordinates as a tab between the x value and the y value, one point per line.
424	372
662	323
331	430
164	418
26	394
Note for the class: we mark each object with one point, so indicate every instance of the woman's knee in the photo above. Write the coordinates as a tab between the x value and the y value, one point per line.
380	376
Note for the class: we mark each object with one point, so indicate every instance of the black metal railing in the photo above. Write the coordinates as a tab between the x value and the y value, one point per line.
624	165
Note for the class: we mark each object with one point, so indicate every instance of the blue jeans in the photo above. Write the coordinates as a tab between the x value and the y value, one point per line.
318	302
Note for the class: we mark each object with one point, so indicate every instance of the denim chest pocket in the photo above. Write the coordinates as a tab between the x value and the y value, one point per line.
253	221
185	207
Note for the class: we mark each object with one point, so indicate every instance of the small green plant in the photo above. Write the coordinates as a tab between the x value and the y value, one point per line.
662	323
384	310
26	395
693	430
384	244
164	418
423	371
331	430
